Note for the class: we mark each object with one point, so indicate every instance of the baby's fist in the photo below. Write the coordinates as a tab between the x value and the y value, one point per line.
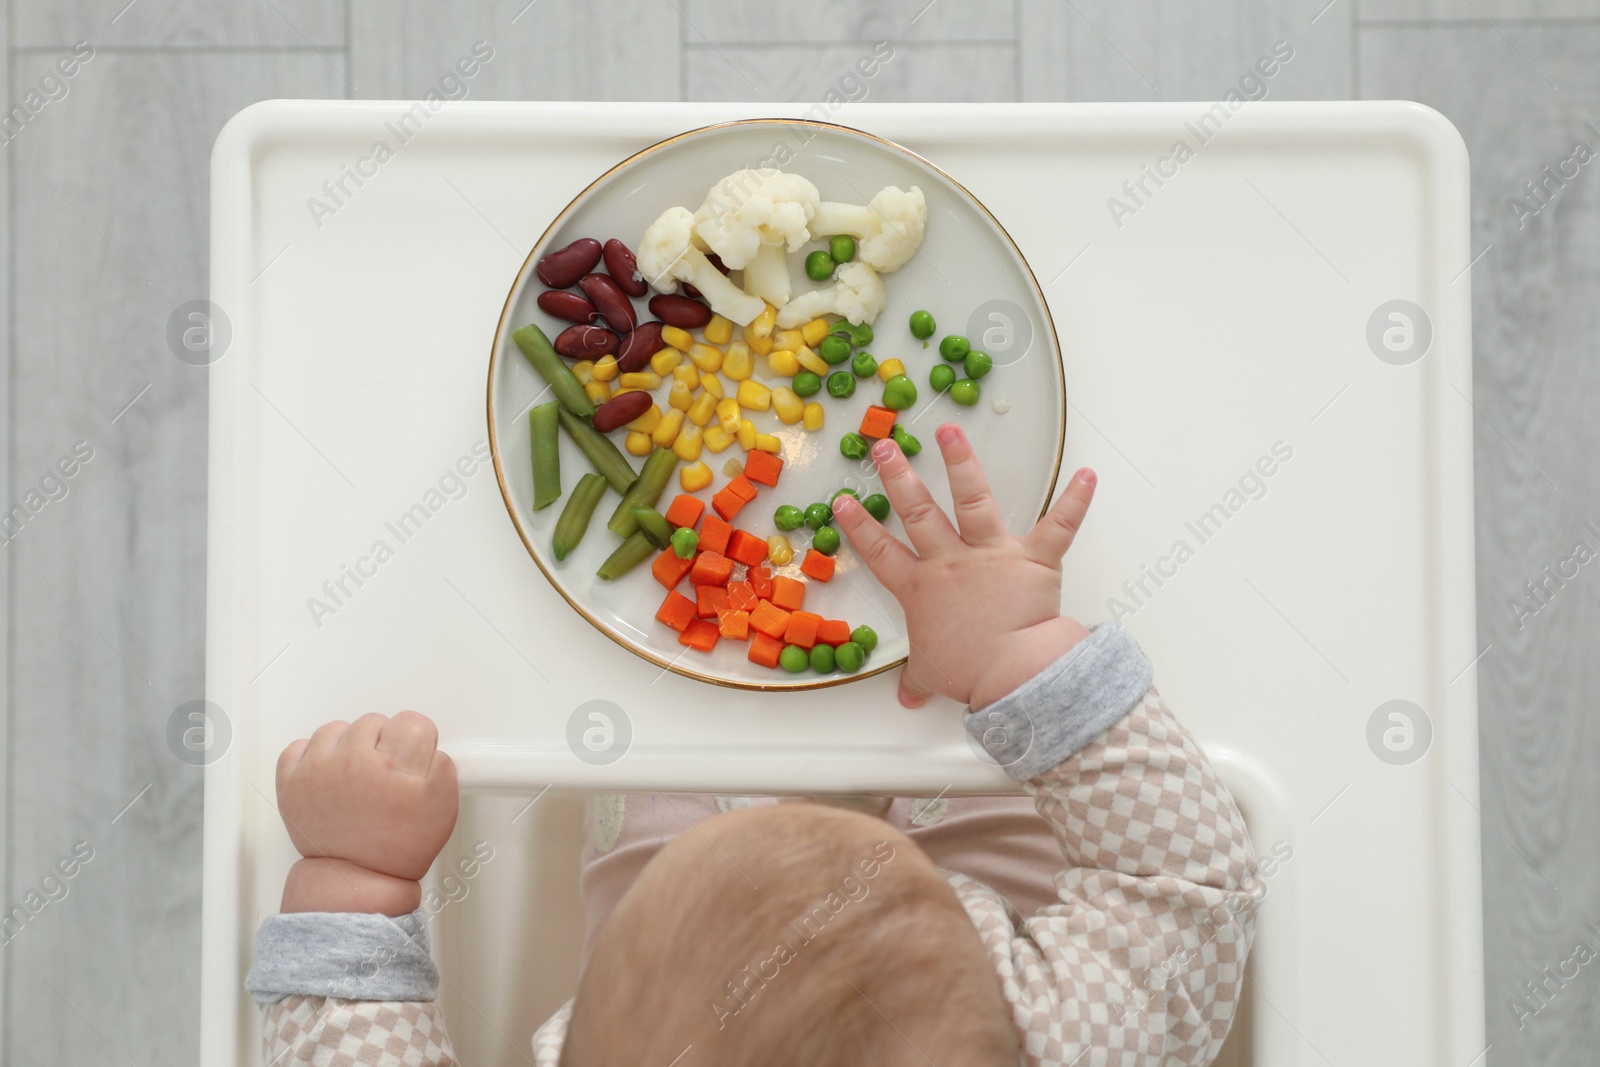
376	792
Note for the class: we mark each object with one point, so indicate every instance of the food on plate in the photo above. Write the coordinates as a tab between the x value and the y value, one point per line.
622	266
922	325
543	423
542	356
889	227
668	255
857	294
564	266
574	520
750	219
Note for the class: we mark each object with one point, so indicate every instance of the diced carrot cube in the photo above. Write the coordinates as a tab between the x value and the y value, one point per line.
677	611
741	597
669	569
714	534
711	568
802	629
700	634
788	593
817	565
747	548
727	502
763	467
764	650
685	510
760	579
710	601
768	619
877	422
734	624
741	487
833	632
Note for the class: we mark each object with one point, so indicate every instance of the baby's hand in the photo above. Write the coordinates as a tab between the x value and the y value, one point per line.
983	608
369	804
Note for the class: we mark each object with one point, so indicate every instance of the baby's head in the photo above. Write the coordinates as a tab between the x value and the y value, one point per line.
789	934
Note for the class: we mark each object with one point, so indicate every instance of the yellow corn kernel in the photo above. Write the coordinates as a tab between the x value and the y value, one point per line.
682	340
812	417
766	442
598	392
753	395
666	430
787	340
680	396
694	477
719	331
713	385
733	468
782	362
690	441
738	363
639	444
728	412
889	368
605	369
663	361
746	434
812	362
687	373
779	550
640	379
787	405
716	437
583	370
814	331
760	328
647	422
701	409
707	357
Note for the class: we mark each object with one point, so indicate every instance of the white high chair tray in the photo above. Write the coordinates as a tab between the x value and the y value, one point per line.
1210	311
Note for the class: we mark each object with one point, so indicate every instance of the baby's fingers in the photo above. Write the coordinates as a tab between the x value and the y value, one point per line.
409	739
888	560
1052	535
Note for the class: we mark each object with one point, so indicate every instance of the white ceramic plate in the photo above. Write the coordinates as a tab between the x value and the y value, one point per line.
968	273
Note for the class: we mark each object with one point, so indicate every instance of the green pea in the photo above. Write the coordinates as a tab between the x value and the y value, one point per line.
684	542
955	348
819	266
846	491
842	248
908	444
834	348
922	325
788	517
866	637
849	657
899	393
965	392
818	516
826	540
853	446
977	364
841	383
794	659
877	506
822	659
942	377
806	383
864	365
861	335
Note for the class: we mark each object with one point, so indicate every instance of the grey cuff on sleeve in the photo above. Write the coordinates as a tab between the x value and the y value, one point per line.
343	954
1064	706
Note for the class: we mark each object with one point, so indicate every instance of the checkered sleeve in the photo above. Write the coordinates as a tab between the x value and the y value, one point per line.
307	1031
1142	960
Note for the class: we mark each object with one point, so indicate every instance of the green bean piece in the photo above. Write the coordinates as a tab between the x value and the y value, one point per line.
849	657
977	364
864	365
866	637
632	552
684	542
655	527
826	540
574	519
853	446
603	455
877	506
902	437
834	348
554	370
542	429
822	658
644	492
955	348
819	266
841	384
842	249
922	325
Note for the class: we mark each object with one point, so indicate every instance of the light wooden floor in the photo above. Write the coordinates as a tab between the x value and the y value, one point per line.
105	233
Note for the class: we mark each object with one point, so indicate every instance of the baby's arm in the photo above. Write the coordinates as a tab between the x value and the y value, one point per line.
345	968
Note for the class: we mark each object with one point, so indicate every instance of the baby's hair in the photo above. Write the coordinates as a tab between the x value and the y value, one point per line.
792	935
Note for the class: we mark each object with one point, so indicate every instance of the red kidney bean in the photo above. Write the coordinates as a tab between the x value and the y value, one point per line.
621	410
586	342
624	269
613	303
566	265
680	311
567	305
639	346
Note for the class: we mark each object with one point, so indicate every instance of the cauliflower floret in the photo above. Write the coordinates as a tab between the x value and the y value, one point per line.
856	295
888	230
667	255
751	208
